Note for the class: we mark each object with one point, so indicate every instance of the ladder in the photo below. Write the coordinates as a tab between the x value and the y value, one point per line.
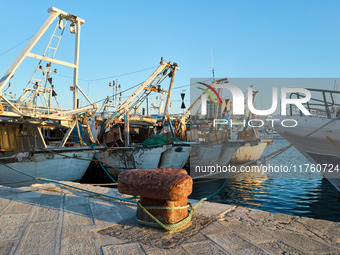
40	84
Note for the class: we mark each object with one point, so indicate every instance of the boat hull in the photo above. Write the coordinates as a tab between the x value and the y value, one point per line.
176	156
205	154
45	165
219	154
226	155
206	159
249	152
132	158
321	147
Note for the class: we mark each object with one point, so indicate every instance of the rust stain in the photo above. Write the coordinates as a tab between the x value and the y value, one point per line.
333	142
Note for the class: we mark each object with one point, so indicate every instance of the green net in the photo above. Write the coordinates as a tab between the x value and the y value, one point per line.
158	140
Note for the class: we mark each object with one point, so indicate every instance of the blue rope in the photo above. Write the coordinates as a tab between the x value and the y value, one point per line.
218	191
100	163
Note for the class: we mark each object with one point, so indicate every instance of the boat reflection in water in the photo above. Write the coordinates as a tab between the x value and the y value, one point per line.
310	197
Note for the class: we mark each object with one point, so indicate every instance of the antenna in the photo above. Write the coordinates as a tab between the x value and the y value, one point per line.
212	65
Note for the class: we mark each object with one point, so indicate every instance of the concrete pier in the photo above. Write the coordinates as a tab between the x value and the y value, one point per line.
50	219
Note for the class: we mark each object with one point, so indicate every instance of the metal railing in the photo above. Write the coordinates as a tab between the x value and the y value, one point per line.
324	104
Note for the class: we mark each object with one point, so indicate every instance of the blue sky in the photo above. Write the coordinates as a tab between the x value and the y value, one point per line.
248	39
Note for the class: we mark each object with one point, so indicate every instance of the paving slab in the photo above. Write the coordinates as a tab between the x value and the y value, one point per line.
12	226
5	247
39	239
129	248
235	244
54	219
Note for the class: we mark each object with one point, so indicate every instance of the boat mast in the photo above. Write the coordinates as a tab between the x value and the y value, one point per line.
212	66
76	63
172	75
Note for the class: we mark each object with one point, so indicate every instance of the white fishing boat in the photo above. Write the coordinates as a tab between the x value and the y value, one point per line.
64	166
317	136
37	138
125	132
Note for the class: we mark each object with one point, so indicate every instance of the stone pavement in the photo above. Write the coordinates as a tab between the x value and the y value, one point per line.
49	219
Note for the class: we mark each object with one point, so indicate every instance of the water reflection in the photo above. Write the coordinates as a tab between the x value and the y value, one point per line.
310	197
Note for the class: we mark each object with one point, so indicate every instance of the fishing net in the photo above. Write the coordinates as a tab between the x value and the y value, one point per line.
159	140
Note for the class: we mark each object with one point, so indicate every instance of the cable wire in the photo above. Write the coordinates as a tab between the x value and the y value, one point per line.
6	51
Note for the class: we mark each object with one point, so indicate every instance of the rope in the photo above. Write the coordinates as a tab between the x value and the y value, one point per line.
106	78
166	207
157	223
168	227
100	163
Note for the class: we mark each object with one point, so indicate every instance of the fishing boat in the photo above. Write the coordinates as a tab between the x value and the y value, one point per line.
135	140
317	136
211	146
38	139
252	146
240	142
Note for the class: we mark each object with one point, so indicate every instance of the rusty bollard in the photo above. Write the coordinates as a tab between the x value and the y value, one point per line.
166	187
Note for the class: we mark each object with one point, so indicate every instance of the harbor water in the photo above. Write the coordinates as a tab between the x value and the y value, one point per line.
311	197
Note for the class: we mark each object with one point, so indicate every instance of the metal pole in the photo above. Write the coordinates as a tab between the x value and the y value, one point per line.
76	62
126	126
147	106
166	111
